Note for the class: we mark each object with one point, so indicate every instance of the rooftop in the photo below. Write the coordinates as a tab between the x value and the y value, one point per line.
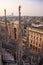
36	29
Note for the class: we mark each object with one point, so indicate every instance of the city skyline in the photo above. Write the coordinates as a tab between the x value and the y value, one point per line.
28	7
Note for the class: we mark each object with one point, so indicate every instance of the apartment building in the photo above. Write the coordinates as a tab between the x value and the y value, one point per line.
35	38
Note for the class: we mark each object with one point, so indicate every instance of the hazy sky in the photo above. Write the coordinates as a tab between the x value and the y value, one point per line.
28	7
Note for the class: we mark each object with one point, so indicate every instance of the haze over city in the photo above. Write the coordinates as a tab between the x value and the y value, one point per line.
29	7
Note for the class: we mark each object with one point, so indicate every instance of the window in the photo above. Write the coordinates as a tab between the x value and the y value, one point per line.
31	36
15	33
34	37
31	41
39	45
30	45
40	39
24	42
40	35
36	43
37	38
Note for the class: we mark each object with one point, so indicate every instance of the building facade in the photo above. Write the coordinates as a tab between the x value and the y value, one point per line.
35	38
12	28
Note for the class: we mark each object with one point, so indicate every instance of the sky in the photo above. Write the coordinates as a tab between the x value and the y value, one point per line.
28	7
